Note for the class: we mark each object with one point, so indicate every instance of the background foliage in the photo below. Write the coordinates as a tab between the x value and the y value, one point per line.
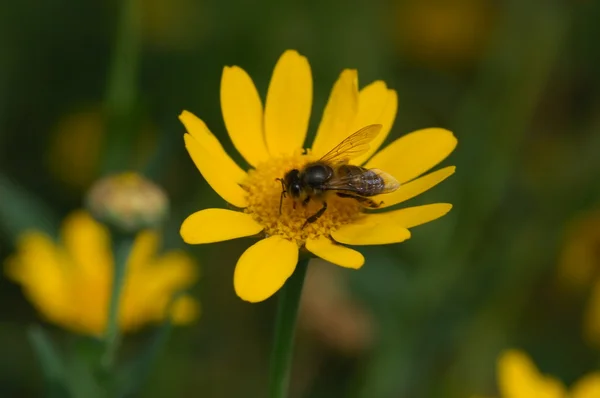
516	81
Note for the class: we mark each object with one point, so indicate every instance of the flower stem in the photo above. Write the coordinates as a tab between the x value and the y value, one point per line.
285	325
121	88
123	245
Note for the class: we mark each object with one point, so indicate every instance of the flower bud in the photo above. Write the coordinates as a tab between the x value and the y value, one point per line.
127	202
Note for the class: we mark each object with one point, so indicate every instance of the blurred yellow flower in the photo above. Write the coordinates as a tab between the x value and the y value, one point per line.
174	24
579	267
75	146
518	377
579	261
77	142
271	141
443	33
69	282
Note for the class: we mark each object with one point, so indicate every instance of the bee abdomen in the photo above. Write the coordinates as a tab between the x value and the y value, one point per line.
362	181
370	183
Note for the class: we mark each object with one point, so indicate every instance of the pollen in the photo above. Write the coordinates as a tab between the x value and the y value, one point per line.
264	195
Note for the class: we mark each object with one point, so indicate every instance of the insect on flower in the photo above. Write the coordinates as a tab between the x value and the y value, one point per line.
300	197
332	174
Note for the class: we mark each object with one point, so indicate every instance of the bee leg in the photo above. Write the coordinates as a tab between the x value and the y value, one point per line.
362	200
315	216
305	201
283	193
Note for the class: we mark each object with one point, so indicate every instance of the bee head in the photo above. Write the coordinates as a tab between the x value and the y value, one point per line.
292	183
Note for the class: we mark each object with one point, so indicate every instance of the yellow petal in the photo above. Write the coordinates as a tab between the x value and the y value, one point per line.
88	243
185	310
217	168
243	114
215	225
339	114
289	101
149	288
417	215
372	229
587	387
413	154
376	105
143	251
518	377
415	187
264	267
39	267
334	253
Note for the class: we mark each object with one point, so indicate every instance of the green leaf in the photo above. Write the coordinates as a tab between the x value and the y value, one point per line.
136	373
50	361
21	211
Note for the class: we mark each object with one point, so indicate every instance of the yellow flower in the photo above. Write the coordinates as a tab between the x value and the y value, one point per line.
76	145
579	260
450	33
69	283
518	377
579	268
271	141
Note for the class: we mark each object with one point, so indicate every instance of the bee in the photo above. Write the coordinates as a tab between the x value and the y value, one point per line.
333	174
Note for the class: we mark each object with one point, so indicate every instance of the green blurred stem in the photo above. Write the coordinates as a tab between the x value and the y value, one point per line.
123	245
120	97
285	326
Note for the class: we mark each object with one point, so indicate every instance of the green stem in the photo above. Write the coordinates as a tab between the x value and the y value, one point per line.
285	326
121	92
123	245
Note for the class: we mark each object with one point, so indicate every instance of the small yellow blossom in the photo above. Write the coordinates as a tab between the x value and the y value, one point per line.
271	139
518	377
69	282
75	147
449	33
579	261
579	268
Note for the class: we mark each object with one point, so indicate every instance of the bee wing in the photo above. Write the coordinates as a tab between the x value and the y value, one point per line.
363	182
353	146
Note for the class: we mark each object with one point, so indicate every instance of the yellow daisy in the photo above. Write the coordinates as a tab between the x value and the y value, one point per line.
271	139
518	377
70	283
579	268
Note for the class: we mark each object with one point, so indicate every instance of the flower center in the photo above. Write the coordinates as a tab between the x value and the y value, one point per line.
264	195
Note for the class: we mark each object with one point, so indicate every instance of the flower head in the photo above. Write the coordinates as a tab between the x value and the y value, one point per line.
518	377
128	202
271	139
69	282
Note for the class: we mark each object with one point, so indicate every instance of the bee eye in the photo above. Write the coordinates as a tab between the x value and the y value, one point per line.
295	189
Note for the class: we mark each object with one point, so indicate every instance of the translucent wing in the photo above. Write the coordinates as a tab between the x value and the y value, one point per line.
390	184
362	182
353	146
